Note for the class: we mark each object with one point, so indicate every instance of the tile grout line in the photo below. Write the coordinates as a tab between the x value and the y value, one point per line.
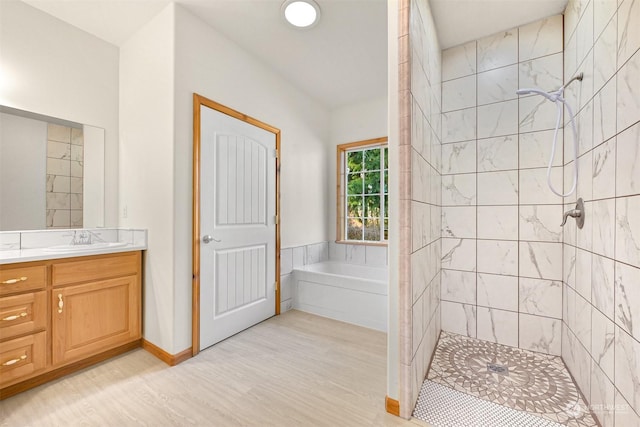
519	195
615	214
477	187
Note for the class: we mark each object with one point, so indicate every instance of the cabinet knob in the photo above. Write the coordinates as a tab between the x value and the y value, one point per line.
60	303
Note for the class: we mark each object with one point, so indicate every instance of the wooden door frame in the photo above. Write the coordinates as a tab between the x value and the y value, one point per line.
198	101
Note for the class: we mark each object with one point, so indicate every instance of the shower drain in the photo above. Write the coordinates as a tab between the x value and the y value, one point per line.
497	369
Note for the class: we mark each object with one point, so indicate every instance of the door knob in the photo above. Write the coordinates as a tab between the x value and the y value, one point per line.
208	239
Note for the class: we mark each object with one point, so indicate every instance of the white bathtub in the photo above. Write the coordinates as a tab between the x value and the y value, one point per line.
351	293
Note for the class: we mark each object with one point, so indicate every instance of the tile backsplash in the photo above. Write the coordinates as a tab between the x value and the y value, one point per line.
37	239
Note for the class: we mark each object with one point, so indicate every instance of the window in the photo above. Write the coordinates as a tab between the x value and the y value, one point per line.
363	200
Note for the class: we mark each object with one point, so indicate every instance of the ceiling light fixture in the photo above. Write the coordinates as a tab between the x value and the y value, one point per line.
301	13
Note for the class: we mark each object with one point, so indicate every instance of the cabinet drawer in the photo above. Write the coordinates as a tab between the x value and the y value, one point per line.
21	357
65	273
18	279
22	314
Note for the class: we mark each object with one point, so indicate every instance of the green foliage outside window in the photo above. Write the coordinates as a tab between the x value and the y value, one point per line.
367	194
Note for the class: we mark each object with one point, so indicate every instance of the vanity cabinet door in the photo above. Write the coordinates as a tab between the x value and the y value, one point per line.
93	317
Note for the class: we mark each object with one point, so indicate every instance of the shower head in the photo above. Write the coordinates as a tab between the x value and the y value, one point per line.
523	91
578	77
553	96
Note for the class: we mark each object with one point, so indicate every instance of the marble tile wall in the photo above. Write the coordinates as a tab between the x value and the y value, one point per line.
601	272
65	159
373	256
299	256
294	257
501	235
420	198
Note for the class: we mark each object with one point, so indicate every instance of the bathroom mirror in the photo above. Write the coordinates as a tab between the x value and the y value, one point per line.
51	172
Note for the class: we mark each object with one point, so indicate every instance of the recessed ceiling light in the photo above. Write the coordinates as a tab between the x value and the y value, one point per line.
301	13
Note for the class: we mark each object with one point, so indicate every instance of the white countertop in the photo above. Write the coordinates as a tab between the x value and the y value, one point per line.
39	245
40	254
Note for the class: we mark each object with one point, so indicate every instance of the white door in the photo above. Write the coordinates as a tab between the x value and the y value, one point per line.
237	226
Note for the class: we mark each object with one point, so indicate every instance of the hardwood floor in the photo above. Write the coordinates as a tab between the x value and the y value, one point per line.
296	369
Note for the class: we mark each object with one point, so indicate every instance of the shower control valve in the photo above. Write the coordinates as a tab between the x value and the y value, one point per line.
577	213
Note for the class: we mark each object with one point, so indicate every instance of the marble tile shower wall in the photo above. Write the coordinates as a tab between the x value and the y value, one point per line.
65	149
501	235
420	190
601	274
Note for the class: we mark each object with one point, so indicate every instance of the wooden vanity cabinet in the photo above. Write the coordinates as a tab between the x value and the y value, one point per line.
61	315
96	306
23	321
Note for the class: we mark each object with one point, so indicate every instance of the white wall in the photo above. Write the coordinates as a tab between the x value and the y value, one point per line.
215	67
93	182
350	123
147	168
393	327
23	173
161	67
52	68
355	122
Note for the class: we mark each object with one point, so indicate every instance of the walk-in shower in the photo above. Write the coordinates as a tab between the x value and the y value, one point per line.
557	97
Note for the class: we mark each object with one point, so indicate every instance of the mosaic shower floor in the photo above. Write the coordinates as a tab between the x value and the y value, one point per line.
534	383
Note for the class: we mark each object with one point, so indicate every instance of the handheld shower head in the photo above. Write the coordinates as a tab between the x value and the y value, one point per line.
557	98
553	96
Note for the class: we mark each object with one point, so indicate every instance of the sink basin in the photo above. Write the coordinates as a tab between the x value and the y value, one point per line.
82	248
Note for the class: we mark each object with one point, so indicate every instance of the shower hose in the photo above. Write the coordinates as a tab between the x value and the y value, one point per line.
558	99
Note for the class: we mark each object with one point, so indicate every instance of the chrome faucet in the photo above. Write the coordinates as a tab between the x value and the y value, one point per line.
81	237
577	213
